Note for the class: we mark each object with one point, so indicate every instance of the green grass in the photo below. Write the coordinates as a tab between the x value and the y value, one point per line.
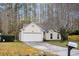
61	43
19	49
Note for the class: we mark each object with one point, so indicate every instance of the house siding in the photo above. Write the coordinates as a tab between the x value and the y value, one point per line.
32	32
54	35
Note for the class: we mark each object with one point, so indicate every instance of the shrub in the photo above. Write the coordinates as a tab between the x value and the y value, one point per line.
73	37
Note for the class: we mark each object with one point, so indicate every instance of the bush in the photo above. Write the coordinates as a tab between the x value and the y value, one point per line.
7	38
73	37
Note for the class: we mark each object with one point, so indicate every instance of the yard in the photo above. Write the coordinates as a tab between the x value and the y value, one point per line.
19	49
61	43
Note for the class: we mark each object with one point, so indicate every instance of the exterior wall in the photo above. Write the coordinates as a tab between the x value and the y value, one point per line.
31	32
19	35
32	28
54	35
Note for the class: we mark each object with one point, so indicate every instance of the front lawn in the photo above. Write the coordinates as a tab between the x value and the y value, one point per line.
19	49
61	43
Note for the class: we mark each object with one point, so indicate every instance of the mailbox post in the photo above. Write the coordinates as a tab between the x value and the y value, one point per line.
70	46
69	50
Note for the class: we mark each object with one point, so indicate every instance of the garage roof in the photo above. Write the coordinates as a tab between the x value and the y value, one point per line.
44	26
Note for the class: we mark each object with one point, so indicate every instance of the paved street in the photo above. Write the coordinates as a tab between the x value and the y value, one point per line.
61	51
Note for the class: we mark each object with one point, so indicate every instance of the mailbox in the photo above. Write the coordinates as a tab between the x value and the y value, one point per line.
72	44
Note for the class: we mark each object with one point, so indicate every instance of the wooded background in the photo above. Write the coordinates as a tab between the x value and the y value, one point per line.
60	16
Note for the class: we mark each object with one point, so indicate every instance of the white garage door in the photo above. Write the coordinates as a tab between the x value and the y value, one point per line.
32	37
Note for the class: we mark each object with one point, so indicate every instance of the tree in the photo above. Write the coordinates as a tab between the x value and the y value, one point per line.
61	18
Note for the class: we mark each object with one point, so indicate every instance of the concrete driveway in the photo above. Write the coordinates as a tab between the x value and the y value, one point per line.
61	51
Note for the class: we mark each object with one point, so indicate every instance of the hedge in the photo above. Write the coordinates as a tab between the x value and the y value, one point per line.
73	37
7	38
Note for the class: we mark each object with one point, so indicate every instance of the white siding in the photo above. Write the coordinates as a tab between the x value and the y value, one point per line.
31	32
54	35
32	28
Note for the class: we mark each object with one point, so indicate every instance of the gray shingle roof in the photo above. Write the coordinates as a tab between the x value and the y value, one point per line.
45	26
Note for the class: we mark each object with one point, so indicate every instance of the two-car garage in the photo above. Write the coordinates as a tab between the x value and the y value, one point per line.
31	37
32	32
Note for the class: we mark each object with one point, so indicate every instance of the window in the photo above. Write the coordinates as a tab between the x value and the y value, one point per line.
51	36
57	36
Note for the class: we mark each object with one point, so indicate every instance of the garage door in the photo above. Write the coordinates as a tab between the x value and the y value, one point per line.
32	37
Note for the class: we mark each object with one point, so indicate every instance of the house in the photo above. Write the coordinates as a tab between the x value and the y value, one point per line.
31	32
52	35
36	32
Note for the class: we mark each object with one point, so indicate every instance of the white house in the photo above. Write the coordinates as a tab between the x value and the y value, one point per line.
52	35
31	32
36	32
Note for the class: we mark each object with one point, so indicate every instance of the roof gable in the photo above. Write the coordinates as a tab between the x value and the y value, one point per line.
44	26
32	27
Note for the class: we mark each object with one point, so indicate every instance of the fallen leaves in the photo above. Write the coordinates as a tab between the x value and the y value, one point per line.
19	49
